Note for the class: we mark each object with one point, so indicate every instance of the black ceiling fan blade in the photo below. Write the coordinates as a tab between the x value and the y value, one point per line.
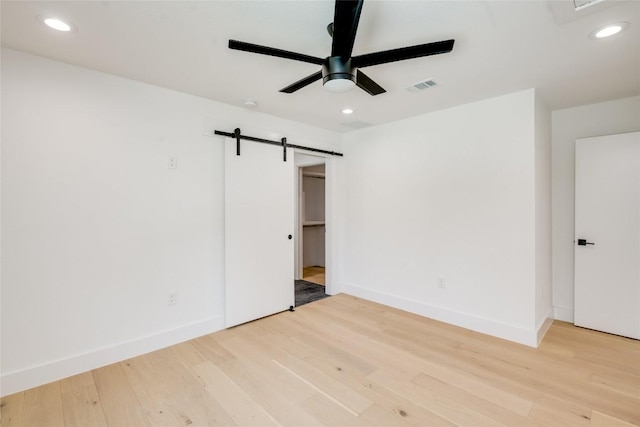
345	25
265	50
402	53
302	83
365	83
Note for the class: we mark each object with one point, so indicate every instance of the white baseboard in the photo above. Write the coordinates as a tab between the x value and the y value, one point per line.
13	382
464	320
564	314
543	328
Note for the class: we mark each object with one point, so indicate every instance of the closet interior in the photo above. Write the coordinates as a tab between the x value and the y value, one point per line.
313	224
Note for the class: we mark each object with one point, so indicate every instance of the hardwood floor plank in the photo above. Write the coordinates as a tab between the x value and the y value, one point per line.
170	394
244	410
81	403
377	415
11	409
329	414
259	359
261	387
551	411
627	388
209	346
361	345
598	419
254	369
473	402
474	385
188	354
402	408
43	406
314	274
316	347
119	402
458	414
69	384
619	352
332	389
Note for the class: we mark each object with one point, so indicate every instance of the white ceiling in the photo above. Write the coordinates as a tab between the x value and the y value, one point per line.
501	47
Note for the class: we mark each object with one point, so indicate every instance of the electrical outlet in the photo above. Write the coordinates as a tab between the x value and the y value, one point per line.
173	162
173	298
442	284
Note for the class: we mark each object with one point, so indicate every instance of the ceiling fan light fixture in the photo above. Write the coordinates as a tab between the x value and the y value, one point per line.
339	84
338	75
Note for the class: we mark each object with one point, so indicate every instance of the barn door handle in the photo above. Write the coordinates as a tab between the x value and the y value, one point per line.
583	242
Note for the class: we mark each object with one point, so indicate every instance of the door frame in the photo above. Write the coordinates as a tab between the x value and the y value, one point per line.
303	159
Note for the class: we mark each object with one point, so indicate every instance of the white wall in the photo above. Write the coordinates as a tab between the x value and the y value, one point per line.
449	194
607	118
96	231
314	243
313	188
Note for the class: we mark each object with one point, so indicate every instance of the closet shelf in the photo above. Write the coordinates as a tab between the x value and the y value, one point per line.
312	223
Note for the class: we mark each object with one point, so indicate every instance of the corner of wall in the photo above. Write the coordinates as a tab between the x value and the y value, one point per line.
543	326
564	314
543	255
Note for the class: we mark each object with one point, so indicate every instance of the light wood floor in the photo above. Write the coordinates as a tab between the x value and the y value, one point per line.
314	274
343	361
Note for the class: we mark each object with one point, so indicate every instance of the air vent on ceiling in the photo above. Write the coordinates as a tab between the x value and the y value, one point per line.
426	84
581	4
571	10
357	124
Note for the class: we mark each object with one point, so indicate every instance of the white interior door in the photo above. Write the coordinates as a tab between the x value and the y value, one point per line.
259	220
607	260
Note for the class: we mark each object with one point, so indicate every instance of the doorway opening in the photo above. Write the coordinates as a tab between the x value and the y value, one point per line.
311	264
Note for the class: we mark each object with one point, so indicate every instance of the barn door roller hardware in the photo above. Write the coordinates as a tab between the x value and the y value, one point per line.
282	143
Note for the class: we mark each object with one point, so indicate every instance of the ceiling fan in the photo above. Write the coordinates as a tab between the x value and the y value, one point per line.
340	71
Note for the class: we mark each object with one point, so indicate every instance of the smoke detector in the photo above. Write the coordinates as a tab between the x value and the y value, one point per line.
250	104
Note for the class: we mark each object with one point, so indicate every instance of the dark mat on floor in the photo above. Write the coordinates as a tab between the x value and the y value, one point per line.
307	292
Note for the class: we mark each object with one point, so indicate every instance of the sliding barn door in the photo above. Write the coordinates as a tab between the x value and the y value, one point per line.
259	223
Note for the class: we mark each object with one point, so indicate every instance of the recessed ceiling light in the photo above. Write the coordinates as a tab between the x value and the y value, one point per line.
347	111
608	30
57	24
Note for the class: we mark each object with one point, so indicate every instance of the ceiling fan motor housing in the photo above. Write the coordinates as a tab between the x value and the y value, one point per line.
338	68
